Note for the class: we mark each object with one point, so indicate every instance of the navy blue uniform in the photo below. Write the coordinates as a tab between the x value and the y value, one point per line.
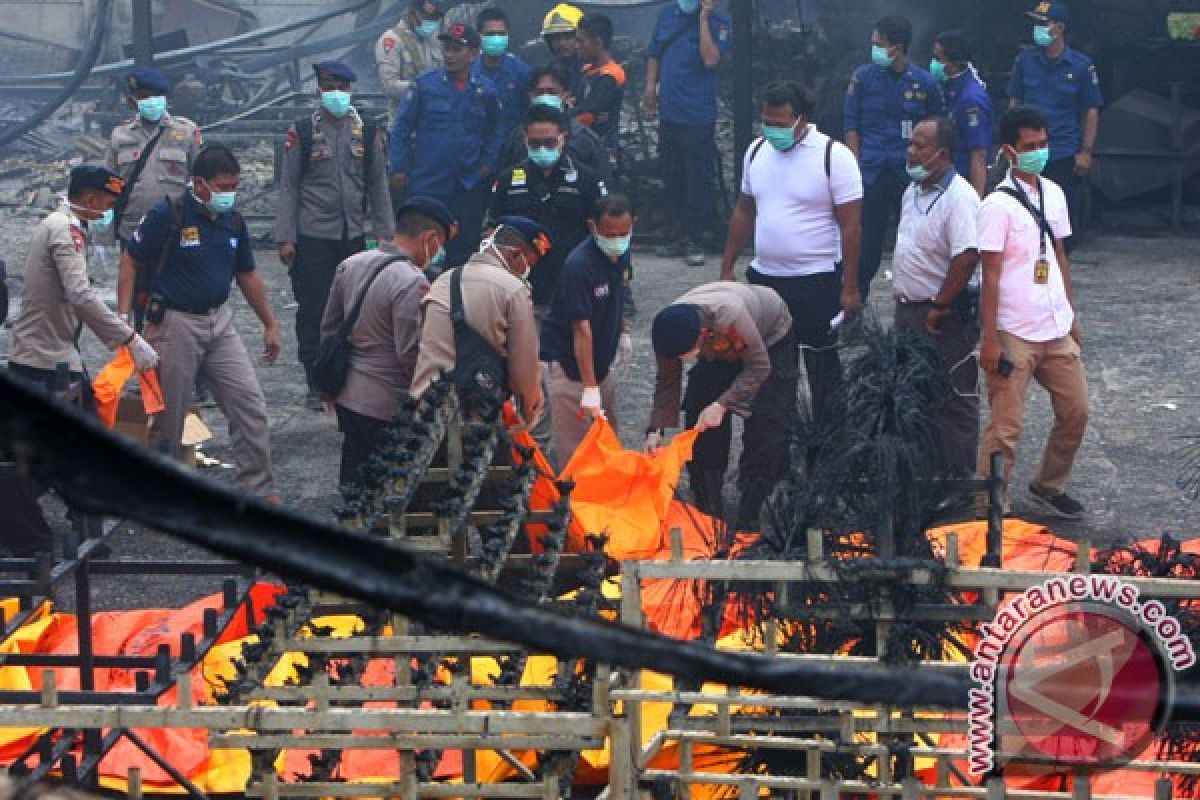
511	77
1063	90
687	104
884	107
199	269
589	288
968	104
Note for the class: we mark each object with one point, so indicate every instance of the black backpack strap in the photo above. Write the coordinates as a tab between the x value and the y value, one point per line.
1033	212
348	324
304	133
457	315
755	146
134	174
174	228
829	158
370	131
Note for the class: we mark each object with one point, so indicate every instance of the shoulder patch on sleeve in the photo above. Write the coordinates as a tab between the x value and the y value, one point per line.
723	33
77	238
973	117
389	43
291	140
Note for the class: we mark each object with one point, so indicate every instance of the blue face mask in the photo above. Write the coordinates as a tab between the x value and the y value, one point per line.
495	44
427	28
880	56
779	137
689	6
1042	36
439	258
104	222
552	100
938	70
1034	161
545	157
152	109
614	246
220	202
336	102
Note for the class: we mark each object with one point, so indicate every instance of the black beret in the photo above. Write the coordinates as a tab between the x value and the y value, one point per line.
91	176
148	79
433	208
533	232
335	69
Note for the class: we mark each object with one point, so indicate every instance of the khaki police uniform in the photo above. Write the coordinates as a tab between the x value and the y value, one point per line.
401	56
167	169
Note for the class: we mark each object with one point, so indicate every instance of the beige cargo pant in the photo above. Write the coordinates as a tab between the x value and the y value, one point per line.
209	343
567	425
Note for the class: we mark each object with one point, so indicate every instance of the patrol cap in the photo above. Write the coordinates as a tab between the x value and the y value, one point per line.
148	79
1050	12
532	232
335	69
433	208
563	18
93	176
463	34
675	330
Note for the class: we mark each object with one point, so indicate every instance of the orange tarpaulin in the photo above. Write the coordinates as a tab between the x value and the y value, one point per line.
111	380
544	494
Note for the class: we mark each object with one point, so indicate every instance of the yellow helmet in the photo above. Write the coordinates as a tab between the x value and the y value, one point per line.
563	18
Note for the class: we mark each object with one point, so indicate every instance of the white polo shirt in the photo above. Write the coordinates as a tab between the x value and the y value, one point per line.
1034	312
796	232
936	225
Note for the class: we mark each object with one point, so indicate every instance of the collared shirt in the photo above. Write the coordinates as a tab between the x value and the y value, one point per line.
583	147
795	230
443	134
401	56
1062	89
589	288
968	104
202	262
324	198
561	201
384	339
59	298
1035	312
743	321
511	77
498	307
936	226
687	93
884	107
167	168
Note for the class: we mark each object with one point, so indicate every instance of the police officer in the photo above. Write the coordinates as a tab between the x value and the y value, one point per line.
334	170
1061	83
195	252
508	72
688	43
59	299
558	32
885	101
548	87
447	139
553	190
407	50
389	285
967	104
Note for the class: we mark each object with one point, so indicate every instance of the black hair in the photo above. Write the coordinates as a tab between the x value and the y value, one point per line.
598	26
539	112
612	205
413	222
955	45
944	133
896	30
492	14
214	160
1021	118
789	93
554	71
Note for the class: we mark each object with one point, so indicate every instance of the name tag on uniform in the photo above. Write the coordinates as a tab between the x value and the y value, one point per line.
906	128
1041	272
189	237
601	291
233	242
518	177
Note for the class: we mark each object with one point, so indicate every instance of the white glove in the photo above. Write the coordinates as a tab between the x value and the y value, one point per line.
711	417
590	403
625	350
654	440
144	356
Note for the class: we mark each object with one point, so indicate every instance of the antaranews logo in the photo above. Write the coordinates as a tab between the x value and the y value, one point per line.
1073	673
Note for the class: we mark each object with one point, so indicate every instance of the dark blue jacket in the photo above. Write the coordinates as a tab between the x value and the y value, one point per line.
687	90
511	78
884	108
1062	89
968	104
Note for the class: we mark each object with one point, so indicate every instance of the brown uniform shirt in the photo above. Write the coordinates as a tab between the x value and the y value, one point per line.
385	337
401	56
167	169
742	321
499	307
58	298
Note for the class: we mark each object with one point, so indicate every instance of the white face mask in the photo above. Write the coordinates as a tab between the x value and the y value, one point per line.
490	244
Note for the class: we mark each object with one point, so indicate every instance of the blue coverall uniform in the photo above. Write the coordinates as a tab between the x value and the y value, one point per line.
511	77
968	104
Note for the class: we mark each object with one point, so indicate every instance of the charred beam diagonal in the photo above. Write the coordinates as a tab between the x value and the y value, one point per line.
101	473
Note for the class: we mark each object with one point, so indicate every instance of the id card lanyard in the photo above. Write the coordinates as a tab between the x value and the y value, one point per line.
1041	269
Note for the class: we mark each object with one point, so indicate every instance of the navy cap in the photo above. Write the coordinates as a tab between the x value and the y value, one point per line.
463	34
94	176
335	69
433	208
1050	11
534	234
676	330
148	79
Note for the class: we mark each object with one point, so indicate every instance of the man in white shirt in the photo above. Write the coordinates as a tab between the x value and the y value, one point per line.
1028	323
802	198
937	250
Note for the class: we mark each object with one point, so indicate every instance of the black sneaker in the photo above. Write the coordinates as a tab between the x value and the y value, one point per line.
1061	504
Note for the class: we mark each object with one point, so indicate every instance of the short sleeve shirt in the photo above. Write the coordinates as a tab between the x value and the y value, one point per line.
1035	312
796	232
687	93
884	107
936	226
589	288
968	104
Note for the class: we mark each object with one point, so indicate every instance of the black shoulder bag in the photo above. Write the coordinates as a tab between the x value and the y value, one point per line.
480	373
333	359
134	174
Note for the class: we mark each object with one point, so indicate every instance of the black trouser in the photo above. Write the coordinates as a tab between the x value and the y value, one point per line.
881	198
360	437
1062	172
687	155
469	206
813	300
766	438
958	416
312	275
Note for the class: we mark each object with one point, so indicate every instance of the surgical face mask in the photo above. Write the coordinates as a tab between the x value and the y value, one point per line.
938	70
689	6
881	57
495	44
220	202
152	109
336	102
919	172
545	157
1042	35
780	137
614	246
427	28
552	100
104	222
1033	161
438	258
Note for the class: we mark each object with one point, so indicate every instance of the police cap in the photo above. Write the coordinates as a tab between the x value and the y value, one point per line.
1050	12
675	330
433	208
148	79
93	176
534	234
463	34
335	69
